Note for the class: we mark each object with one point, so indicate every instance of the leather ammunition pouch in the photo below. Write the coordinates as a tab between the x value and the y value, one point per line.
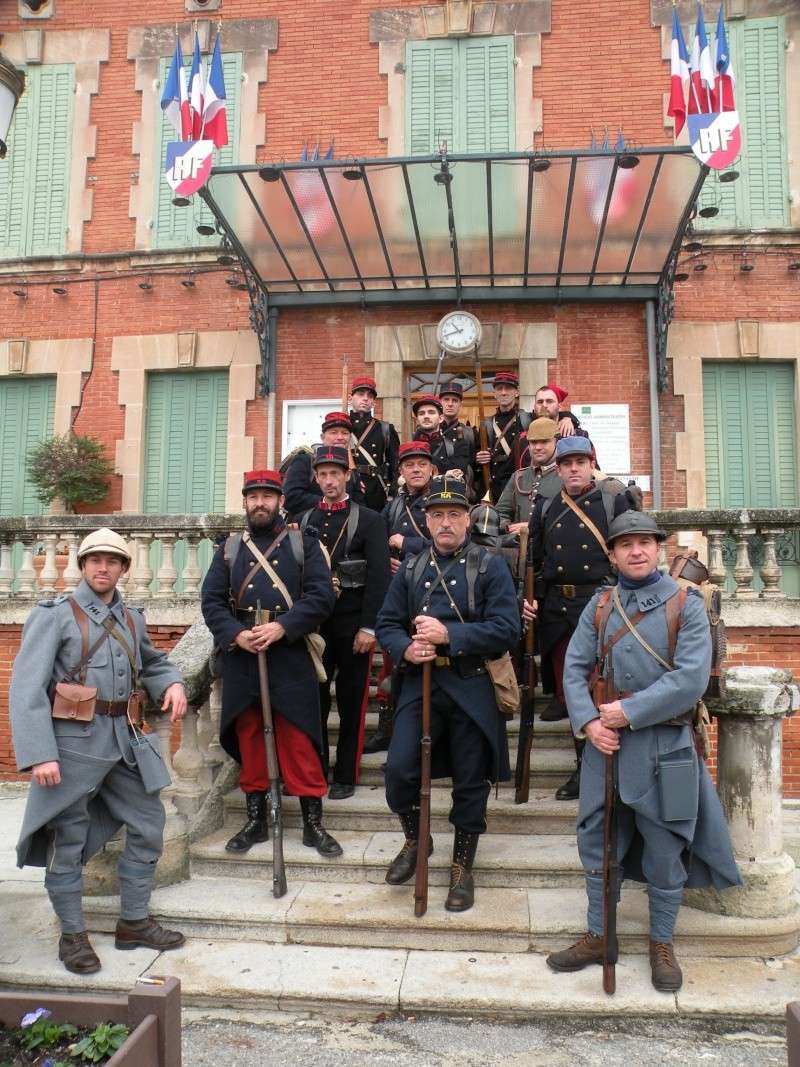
74	701
352	573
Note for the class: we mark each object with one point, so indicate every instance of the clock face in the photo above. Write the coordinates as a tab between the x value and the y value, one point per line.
459	331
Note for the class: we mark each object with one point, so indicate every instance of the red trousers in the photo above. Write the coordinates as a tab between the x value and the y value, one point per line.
558	654
299	761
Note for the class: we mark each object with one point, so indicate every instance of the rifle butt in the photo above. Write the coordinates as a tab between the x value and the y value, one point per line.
609	979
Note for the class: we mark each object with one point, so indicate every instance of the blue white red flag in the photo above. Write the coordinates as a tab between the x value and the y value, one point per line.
215	119
175	98
188	165
196	90
679	75
726	79
701	70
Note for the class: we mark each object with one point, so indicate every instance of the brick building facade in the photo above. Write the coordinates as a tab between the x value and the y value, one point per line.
94	298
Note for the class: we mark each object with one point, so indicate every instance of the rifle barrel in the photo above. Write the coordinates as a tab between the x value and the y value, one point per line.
421	877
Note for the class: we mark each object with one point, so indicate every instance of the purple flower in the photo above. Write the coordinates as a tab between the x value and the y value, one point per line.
34	1016
48	1062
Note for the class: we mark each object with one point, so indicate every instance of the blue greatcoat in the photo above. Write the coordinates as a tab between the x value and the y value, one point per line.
494	630
293	685
657	696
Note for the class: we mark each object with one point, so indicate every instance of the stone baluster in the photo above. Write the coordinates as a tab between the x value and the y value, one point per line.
72	572
143	574
188	764
174	863
743	569
49	573
216	753
167	574
716	560
191	571
162	727
6	565
26	575
204	735
770	571
749	782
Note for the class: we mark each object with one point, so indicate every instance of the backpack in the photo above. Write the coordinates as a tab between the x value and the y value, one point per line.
477	564
690	573
610	488
233	543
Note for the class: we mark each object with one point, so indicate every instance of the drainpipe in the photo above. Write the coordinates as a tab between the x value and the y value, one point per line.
272	383
655	425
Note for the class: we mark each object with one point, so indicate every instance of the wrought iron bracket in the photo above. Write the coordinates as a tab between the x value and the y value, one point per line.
665	308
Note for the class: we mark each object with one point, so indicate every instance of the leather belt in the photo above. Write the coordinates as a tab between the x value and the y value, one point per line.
114	708
248	614
442	661
571	591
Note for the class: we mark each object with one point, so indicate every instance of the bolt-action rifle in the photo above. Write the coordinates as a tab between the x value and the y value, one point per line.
273	770
604	691
522	772
421	879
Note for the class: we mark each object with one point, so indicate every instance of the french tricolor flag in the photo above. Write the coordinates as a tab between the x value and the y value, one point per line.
726	79
175	97
196	91
679	75
215	119
701	70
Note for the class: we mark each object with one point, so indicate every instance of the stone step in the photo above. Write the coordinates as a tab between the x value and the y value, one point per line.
366	810
506	861
546	734
550	767
511	921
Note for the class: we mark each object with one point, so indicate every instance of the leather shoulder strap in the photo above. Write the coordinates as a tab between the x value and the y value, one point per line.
82	620
674	609
352	526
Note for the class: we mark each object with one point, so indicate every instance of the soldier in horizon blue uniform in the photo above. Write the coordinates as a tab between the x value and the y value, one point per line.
426	617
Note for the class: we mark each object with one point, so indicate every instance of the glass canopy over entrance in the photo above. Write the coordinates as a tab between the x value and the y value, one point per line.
568	225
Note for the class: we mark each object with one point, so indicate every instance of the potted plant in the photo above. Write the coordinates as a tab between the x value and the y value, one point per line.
71	468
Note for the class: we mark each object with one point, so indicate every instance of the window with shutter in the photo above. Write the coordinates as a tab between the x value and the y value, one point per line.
760	198
176	227
34	176
26	418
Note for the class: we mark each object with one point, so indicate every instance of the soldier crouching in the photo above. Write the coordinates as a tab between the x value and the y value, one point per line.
86	782
453	605
671	831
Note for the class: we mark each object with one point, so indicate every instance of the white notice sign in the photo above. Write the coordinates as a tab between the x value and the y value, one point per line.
609	427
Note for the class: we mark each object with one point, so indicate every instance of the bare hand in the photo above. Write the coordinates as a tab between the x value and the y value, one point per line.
47	773
566	428
603	739
267	634
530	609
419	651
175	698
612	715
396	541
246	640
394	564
484	456
431	630
517	528
363	642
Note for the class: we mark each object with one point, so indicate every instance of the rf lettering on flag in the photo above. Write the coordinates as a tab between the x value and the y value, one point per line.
188	165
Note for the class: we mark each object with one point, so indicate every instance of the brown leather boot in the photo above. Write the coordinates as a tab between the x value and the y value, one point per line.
404	865
77	955
146	933
461	895
588	950
664	970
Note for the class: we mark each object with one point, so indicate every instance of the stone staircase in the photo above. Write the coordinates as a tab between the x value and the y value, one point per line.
340	916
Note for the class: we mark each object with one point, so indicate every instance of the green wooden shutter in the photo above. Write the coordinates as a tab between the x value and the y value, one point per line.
34	177
176	227
759	199
431	98
26	418
487	89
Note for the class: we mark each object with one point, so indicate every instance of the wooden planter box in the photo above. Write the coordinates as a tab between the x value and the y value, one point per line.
152	1013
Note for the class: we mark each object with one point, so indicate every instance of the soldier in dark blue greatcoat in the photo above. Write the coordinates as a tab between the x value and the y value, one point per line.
454	605
296	595
671	828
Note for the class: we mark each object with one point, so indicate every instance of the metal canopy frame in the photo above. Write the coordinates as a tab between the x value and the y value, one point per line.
582	225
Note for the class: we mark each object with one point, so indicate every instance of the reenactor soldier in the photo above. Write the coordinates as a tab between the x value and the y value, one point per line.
404	516
567	544
76	708
453	605
671	831
355	541
283	572
375	444
447	454
505	431
547	405
452	396
539	477
301	489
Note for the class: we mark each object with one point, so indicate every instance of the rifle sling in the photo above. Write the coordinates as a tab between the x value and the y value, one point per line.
584	518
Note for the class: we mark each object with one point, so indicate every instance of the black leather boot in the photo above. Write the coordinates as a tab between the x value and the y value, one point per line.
462	888
570	789
379	742
404	865
314	833
256	828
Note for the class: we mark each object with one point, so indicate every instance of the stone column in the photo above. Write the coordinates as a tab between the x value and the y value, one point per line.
749	782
